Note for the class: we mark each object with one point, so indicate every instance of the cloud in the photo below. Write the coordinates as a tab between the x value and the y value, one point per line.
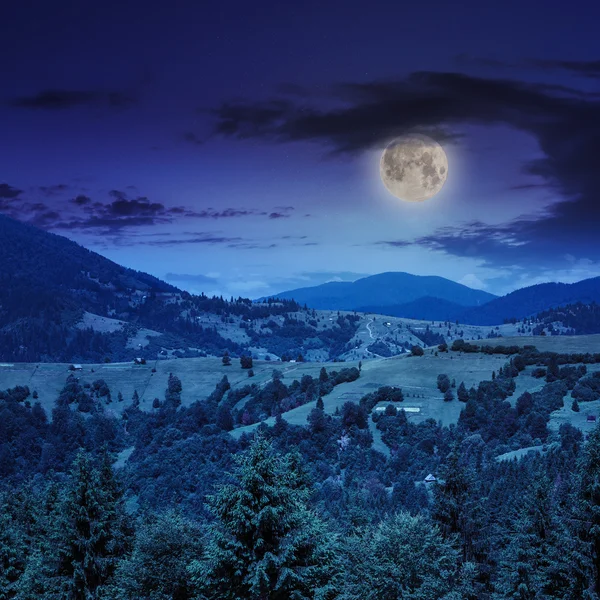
360	116
8	192
206	239
394	243
471	280
192	138
585	68
53	190
61	99
119	217
191	278
81	200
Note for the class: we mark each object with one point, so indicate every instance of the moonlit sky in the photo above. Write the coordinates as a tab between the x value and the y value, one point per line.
233	147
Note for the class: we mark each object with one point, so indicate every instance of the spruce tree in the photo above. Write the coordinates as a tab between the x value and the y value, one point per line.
588	507
462	393
265	542
455	506
94	528
534	560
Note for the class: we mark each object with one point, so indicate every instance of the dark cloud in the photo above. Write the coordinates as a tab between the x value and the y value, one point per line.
278	215
81	200
116	218
585	68
564	121
208	239
192	138
190	278
68	99
227	213
53	190
250	245
8	192
394	243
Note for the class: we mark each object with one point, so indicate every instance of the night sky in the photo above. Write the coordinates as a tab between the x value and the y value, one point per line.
233	147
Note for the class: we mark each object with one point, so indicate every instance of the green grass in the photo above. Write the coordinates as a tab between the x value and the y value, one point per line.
564	344
198	375
519	453
415	375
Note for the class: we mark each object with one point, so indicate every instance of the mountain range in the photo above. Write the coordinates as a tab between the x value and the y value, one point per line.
401	294
390	289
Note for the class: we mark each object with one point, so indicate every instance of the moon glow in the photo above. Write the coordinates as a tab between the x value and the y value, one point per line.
414	167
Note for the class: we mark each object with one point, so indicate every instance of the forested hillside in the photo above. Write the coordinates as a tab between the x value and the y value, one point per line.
166	504
48	284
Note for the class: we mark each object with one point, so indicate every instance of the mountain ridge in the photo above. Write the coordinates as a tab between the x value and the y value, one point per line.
518	304
391	288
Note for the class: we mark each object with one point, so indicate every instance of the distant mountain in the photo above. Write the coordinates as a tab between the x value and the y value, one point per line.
439	299
384	291
426	308
531	300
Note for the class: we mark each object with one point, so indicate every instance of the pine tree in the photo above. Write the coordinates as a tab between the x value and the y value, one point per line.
534	562
455	505
86	533
265	543
173	391
135	401
320	404
462	393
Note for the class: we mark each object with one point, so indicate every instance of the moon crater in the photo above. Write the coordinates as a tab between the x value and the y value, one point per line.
414	167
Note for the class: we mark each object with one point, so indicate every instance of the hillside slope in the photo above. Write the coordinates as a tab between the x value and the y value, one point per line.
60	302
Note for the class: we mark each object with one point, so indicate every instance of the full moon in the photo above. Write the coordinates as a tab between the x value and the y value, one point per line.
413	167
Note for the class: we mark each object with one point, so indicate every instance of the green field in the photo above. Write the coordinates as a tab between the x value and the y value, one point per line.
198	375
415	375
565	344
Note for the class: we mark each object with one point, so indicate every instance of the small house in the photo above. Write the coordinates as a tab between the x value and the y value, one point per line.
430	478
591	418
77	367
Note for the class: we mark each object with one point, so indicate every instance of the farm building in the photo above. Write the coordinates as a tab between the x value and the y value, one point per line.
430	478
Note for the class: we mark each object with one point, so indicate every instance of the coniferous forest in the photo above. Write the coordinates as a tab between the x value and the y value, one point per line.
168	505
